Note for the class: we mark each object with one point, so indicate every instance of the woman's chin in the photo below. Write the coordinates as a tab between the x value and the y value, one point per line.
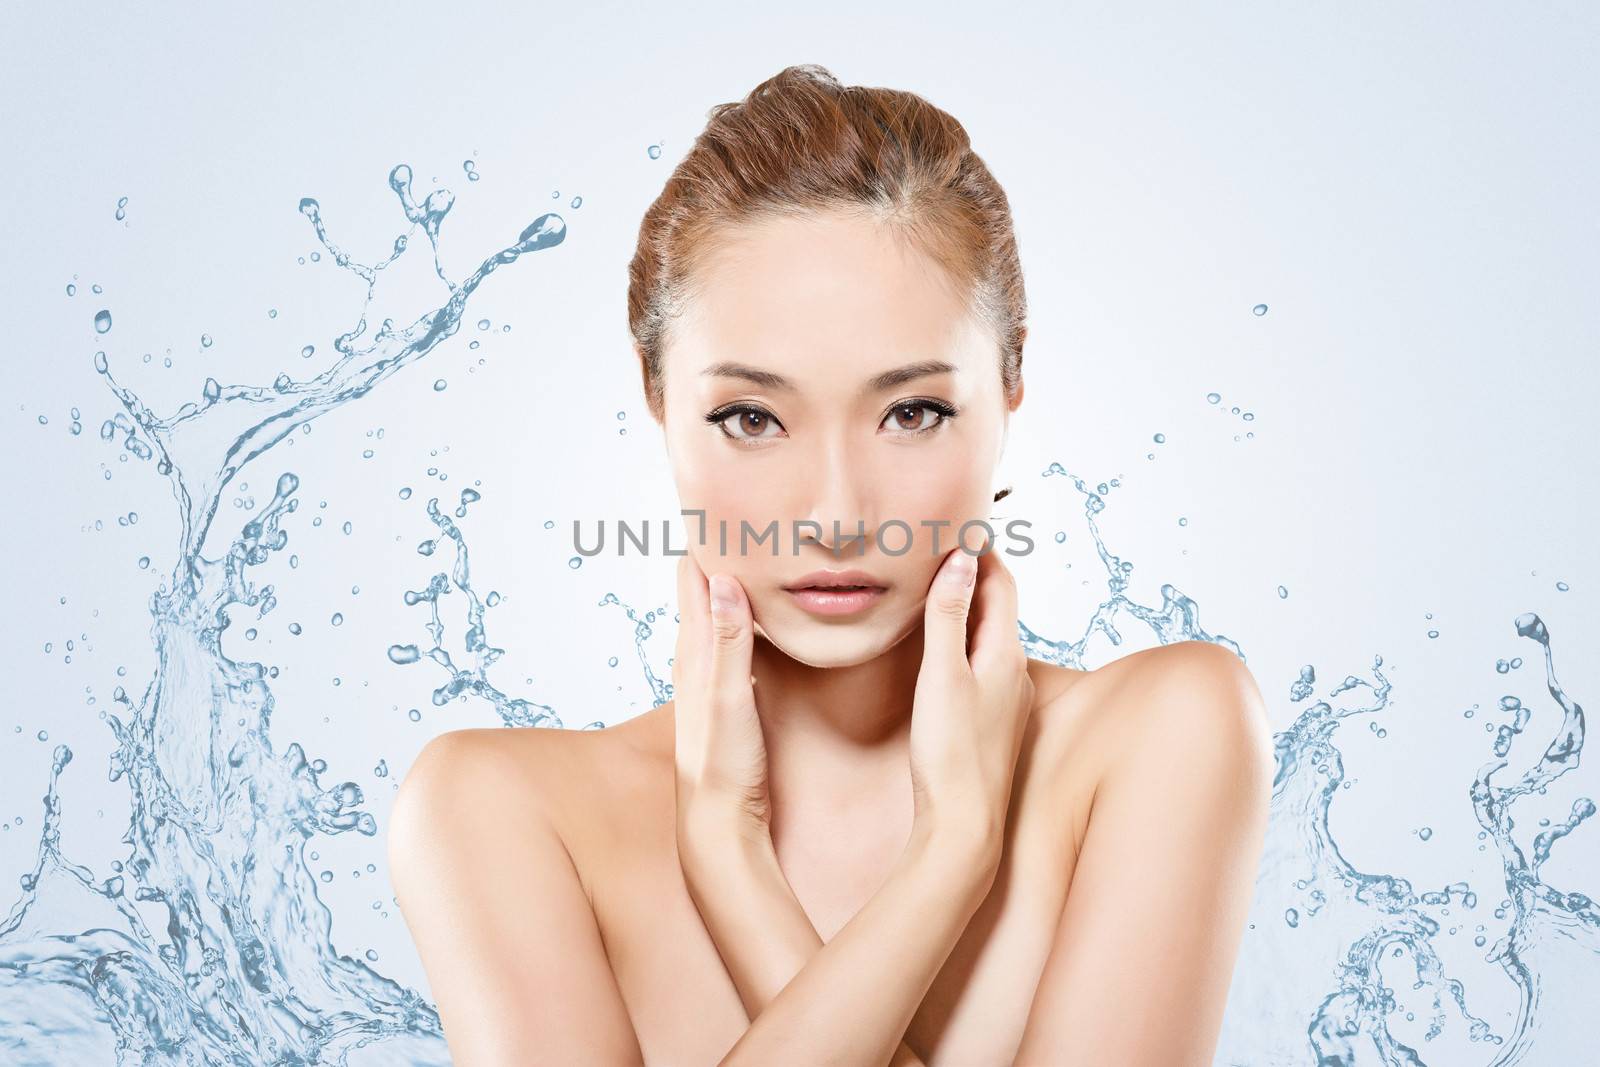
819	645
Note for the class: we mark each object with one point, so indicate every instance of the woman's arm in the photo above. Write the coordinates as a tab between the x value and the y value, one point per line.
1146	944
970	710
499	918
868	981
761	932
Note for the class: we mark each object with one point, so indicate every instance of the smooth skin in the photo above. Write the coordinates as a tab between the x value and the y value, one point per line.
878	839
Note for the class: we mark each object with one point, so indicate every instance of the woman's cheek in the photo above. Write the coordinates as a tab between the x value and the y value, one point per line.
742	519
923	502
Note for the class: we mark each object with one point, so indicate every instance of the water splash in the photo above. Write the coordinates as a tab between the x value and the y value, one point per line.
243	970
1312	905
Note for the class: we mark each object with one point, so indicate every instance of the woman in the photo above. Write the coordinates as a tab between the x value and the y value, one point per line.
867	829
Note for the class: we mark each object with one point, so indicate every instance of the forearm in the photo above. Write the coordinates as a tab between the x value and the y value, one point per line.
869	980
761	932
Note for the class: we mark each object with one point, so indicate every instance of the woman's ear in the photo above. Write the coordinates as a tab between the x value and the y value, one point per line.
1016	398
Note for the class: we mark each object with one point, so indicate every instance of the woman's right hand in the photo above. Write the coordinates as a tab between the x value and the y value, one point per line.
969	711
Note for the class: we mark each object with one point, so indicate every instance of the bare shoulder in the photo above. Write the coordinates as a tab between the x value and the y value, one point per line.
500	914
570	778
1171	695
1192	688
1176	754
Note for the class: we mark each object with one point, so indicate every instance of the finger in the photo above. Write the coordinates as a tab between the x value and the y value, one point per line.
944	620
732	637
995	630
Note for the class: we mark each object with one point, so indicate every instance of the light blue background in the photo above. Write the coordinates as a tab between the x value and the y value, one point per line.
1411	190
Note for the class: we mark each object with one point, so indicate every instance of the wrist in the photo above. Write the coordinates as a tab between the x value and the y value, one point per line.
964	849
715	841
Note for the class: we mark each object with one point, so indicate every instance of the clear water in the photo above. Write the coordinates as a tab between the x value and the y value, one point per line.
244	969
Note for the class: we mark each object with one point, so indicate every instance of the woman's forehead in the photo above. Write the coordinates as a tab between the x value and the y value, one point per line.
791	295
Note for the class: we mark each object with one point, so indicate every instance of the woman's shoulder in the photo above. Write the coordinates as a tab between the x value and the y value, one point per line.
1212	667
565	774
1164	695
496	788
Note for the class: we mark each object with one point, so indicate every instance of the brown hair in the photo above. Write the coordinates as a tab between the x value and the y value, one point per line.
801	142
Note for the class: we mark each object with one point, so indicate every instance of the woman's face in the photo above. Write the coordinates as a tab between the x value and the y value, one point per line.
809	379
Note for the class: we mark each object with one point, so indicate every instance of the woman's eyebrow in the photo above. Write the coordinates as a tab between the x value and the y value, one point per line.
910	372
877	383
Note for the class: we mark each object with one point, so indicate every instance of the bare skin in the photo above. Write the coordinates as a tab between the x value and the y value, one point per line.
843	875
1138	967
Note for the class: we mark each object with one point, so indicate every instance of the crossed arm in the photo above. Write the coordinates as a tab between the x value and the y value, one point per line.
868	981
1145	947
1138	972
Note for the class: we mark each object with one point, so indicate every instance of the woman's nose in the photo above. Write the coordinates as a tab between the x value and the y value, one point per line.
834	496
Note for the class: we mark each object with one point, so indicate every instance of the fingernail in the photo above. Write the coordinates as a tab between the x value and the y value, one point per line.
723	598
962	567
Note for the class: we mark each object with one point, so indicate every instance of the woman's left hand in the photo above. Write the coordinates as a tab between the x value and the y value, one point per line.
719	751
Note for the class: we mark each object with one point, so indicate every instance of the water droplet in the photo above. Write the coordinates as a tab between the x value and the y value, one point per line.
338	618
654	151
1213	398
122	208
1161	438
439	385
1283	593
102	321
575	562
1259	309
577	201
205	340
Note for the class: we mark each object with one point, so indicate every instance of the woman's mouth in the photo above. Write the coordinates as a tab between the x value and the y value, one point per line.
833	594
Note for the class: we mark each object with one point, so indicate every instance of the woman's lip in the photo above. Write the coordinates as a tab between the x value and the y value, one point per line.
836	601
826	578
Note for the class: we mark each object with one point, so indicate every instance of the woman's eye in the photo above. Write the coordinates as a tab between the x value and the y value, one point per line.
916	417
749	424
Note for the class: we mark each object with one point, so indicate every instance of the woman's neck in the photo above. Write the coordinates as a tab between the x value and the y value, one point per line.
837	738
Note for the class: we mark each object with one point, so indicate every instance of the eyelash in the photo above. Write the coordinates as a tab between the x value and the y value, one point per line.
720	416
